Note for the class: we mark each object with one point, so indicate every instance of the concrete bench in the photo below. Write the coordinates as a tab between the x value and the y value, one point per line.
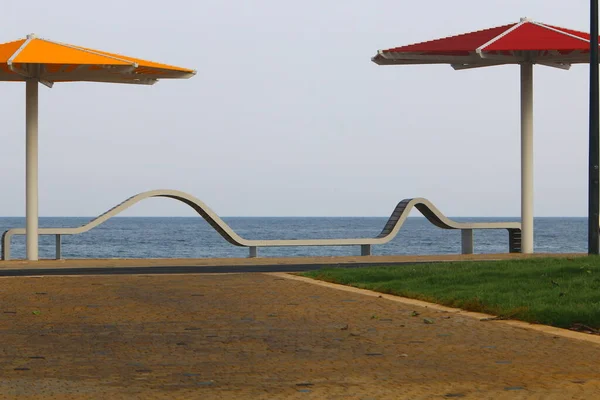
389	232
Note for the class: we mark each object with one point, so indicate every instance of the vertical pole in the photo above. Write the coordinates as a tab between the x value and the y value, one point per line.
594	143
31	170
527	157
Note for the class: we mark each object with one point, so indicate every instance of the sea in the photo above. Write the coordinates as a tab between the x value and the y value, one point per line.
192	237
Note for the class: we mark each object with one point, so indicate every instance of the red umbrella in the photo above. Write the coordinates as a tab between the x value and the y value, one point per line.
525	43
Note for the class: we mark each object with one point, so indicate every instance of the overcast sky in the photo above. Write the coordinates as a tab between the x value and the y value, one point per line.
287	115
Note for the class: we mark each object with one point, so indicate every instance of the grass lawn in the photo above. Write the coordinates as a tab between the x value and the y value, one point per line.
562	292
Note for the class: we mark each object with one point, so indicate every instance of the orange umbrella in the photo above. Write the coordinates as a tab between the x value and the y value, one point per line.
36	60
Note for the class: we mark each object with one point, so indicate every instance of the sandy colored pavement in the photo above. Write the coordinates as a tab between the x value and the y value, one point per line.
263	336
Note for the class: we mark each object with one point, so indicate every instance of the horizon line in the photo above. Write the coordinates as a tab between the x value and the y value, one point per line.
290	216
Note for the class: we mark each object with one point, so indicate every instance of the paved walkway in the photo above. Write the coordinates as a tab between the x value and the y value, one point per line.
262	336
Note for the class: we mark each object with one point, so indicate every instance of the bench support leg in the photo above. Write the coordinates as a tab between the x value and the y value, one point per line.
514	240
58	247
365	249
253	252
466	241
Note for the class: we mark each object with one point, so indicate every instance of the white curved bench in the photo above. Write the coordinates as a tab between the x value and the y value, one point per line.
388	233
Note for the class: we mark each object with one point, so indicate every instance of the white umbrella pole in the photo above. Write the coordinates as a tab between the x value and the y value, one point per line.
527	158
31	170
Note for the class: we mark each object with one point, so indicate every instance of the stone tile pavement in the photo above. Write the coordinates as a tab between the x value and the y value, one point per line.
262	336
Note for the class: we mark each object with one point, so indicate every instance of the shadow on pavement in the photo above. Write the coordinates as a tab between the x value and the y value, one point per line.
225	269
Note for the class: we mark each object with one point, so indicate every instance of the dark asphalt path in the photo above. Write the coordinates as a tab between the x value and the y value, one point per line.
157	270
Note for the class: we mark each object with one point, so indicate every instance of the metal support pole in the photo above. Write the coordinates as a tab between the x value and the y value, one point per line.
58	248
466	241
365	249
31	170
527	157
594	143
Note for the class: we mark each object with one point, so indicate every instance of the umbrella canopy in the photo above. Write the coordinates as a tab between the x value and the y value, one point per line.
524	43
35	60
49	62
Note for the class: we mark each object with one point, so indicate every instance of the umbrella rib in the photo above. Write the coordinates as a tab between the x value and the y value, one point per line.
19	50
460	67
44	82
106	77
479	50
96	53
20	71
559	31
559	65
16	53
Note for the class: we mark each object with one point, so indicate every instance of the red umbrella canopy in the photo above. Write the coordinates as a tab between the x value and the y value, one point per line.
524	42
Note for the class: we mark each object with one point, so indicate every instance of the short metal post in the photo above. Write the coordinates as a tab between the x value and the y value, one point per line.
5	246
58	247
365	249
253	252
467	241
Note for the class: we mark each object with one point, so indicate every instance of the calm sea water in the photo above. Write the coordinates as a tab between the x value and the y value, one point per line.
183	237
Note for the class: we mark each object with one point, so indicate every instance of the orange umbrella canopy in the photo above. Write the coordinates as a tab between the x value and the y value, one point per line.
50	62
36	60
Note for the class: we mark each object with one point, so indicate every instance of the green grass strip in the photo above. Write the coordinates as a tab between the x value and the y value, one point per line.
554	291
